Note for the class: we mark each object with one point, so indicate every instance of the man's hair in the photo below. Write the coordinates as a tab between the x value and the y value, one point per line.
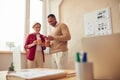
51	15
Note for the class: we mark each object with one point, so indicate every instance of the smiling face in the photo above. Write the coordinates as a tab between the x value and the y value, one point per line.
37	27
52	21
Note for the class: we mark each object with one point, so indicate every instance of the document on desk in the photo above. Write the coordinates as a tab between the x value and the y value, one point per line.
31	74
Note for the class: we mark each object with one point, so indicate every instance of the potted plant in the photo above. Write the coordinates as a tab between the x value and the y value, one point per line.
11	68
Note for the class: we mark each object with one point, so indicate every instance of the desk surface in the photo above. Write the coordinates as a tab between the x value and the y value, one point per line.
70	76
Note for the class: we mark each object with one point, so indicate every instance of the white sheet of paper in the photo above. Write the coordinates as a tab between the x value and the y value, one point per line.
47	50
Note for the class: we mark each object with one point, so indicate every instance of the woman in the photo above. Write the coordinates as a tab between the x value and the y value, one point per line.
34	46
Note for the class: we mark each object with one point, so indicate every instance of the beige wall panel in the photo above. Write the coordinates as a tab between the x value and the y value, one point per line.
104	52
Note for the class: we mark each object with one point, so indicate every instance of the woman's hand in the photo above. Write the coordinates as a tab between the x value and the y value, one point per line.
34	42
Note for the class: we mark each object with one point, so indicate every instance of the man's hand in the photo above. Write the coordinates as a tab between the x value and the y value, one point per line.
50	37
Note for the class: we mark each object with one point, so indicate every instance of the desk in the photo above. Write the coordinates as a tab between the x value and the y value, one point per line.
70	76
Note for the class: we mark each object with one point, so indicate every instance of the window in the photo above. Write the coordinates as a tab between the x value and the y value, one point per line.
12	21
35	13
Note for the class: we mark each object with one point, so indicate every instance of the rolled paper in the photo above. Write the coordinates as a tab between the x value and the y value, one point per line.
47	50
17	58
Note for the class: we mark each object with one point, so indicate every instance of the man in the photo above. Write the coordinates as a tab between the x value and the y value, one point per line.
59	41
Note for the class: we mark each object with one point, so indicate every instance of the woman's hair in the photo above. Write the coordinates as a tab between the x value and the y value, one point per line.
37	23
